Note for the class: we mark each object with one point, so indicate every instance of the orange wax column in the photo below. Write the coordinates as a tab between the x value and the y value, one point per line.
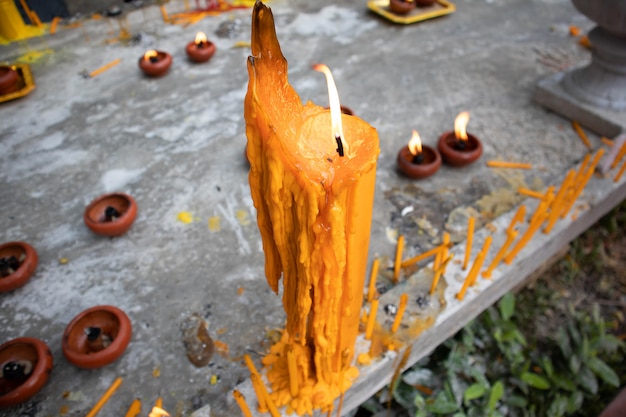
314	206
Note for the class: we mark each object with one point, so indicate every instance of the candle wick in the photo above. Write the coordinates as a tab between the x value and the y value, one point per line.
339	145
419	158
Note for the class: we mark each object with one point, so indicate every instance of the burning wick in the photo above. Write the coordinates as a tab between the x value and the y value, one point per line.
460	124
415	146
151	56
200	39
8	265
110	214
335	108
16	370
93	333
96	339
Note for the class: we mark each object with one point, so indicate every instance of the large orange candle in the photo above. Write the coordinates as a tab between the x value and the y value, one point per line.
312	183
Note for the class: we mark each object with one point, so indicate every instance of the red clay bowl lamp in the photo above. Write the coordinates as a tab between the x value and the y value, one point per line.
201	49
96	337
155	63
18	261
111	214
25	365
459	148
418	161
9	80
401	6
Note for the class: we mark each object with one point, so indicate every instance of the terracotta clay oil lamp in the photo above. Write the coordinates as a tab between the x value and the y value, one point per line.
201	49
9	80
25	365
18	261
401	6
418	161
155	63
96	337
459	148
111	214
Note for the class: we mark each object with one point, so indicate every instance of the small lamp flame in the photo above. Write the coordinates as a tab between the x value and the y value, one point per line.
415	144
200	39
335	109
158	412
150	55
460	123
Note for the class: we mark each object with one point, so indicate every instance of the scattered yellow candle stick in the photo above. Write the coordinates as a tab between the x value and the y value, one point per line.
241	402
53	25
505	164
532	228
257	389
433	252
404	298
478	263
104	68
266	396
371	289
510	237
134	409
166	18
543	204
398	262
557	203
620	172
581	134
159	402
583	168
114	386
580	186
468	244
248	361
518	217
530	193
440	266
293	372
371	319
607	141
619	156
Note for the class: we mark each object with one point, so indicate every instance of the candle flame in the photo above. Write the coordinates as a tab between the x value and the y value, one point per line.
460	123
150	54
158	412
335	109
415	143
200	38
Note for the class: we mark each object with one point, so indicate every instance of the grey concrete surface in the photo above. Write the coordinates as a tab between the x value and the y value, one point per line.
176	144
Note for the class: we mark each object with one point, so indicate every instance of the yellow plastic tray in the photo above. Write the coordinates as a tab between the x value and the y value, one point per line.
25	80
418	14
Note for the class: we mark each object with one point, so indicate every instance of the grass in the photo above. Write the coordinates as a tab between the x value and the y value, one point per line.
554	349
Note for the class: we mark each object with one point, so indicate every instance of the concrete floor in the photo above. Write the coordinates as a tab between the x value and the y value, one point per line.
176	144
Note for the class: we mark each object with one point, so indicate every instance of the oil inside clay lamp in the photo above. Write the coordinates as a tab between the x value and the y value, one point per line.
155	63
418	161
25	365
9	80
401	6
96	337
111	214
201	49
425	3
459	148
18	261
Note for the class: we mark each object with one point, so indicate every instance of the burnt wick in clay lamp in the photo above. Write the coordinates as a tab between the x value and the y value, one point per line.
401	6
25	365
9	80
18	261
459	148
111	214
201	49
155	63
418	161
96	337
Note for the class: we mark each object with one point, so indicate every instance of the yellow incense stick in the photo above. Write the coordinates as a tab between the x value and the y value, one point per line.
468	244
241	402
557	203
105	397
266	396
371	289
104	68
440	267
422	256
371	319
506	164
620	172
401	307
606	141
397	264
581	134
518	217
532	228
510	237
134	409
580	186
473	273
166	18
530	193
54	24
619	156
